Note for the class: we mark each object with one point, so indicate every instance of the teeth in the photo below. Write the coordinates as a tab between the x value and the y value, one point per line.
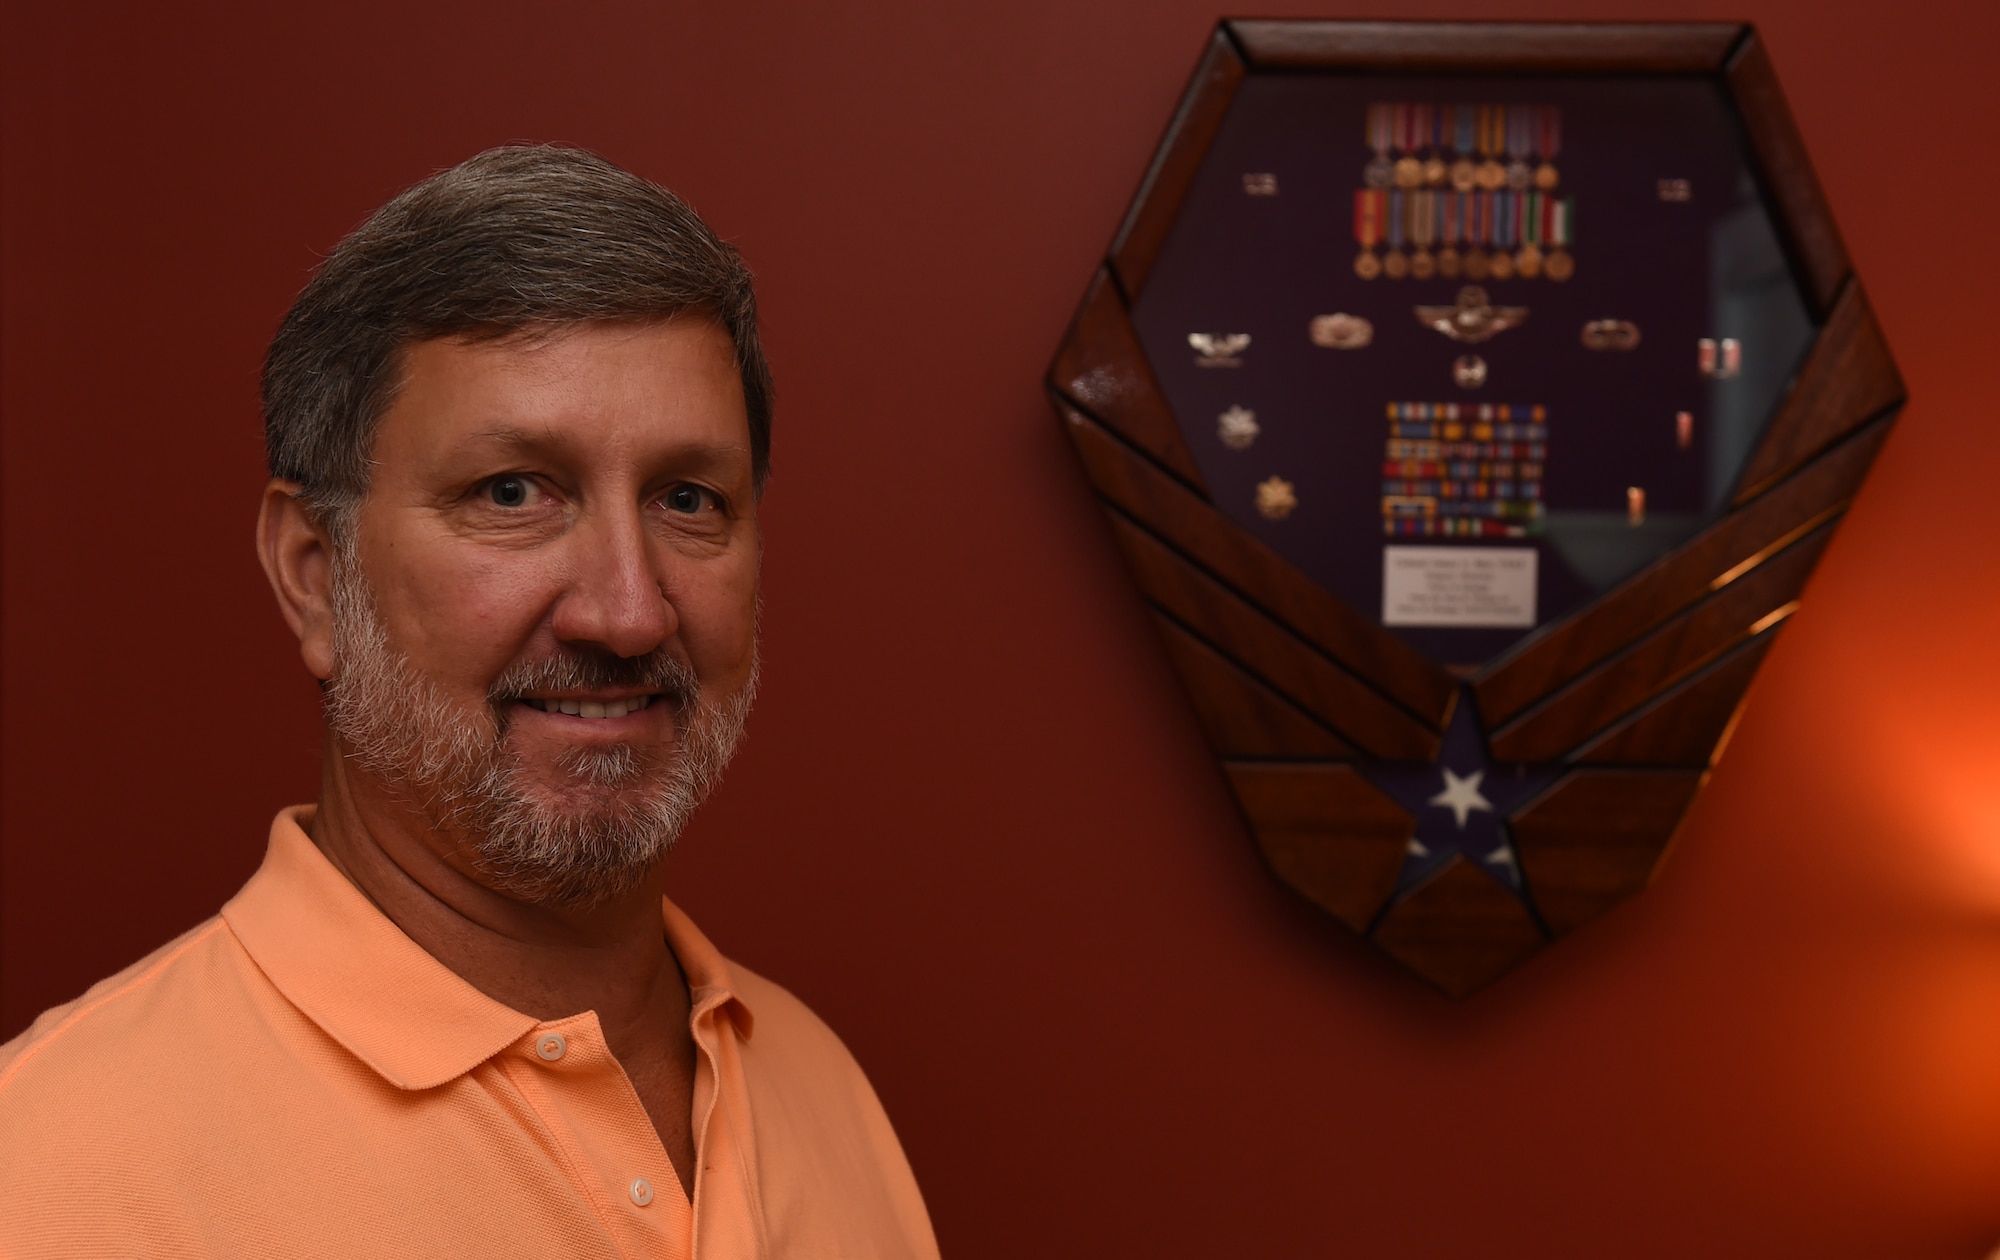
590	708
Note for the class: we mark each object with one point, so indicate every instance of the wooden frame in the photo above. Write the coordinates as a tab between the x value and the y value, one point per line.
1626	703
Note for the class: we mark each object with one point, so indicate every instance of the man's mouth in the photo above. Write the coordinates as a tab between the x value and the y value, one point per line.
576	707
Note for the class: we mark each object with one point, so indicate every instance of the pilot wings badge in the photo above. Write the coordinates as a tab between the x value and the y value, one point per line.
1473	319
1219	349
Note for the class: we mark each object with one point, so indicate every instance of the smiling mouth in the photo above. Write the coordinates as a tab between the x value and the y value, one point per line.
588	708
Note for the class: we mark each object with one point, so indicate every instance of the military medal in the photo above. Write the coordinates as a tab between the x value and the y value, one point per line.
1491	174
1395	264
1528	259
1276	498
1478	220
1500	264
1368	230
1450	212
1556	231
1550	143
1463	173
1520	138
1423	233
1237	428
1378	171
1435	169
1341	331
1409	169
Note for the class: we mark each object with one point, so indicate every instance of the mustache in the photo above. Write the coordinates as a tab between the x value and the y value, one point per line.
572	668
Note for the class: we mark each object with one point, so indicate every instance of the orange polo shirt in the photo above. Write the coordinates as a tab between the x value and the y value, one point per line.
296	1077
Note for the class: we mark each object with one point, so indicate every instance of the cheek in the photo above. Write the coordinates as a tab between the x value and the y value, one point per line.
718	625
469	618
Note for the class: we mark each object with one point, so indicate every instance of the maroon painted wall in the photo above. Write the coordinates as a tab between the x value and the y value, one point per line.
974	825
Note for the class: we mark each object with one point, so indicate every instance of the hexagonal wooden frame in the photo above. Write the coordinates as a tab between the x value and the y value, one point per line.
1633	696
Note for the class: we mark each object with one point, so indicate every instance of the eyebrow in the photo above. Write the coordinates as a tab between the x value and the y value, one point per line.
552	439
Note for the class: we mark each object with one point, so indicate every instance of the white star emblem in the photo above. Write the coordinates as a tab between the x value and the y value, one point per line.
1461	796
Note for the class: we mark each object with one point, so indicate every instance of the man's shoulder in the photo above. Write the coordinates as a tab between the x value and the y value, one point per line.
789	1036
824	1145
129	1025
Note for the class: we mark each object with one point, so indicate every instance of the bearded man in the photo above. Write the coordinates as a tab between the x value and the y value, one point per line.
518	425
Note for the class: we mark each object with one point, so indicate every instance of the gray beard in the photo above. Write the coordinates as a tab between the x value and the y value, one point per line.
617	813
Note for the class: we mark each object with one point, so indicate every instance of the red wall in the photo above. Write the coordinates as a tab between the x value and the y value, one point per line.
974	825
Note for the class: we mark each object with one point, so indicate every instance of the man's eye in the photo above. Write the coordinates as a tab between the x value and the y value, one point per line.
685	499
508	491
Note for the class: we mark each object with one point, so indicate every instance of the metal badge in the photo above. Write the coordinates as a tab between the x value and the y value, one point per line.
1341	331
1719	360
1469	370
1276	498
1473	318
1237	427
1217	350
1610	334
1260	184
1675	190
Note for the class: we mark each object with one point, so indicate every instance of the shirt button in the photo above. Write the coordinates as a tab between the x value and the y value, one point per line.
551	1047
642	1191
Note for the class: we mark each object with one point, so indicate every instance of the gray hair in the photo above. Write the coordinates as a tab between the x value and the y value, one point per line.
513	241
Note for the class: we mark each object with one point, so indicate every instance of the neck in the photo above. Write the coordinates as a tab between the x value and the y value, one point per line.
546	961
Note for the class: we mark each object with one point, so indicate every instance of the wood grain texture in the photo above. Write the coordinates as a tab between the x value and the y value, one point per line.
1240	716
1102	371
1260	574
1799	204
1267	650
1595	839
1327	833
1176	163
1685	726
1580	711
1569	648
1459	929
1489	47
1847	380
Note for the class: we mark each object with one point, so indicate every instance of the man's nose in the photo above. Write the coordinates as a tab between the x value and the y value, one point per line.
617	597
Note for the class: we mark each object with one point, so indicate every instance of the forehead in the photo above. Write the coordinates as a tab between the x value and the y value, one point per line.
630	386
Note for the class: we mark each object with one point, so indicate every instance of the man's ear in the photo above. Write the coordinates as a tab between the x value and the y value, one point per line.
298	559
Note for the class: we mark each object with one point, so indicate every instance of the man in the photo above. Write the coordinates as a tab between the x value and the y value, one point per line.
518	424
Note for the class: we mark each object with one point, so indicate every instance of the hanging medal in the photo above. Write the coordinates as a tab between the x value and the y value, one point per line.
1528	259
1450	207
1506	217
1478	222
1396	264
1491	175
1464	174
1437	118
1368	230
1378	171
1423	233
1561	231
1409	170
1548	145
1520	143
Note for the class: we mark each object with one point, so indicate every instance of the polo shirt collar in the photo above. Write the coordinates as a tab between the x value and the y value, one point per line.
346	967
